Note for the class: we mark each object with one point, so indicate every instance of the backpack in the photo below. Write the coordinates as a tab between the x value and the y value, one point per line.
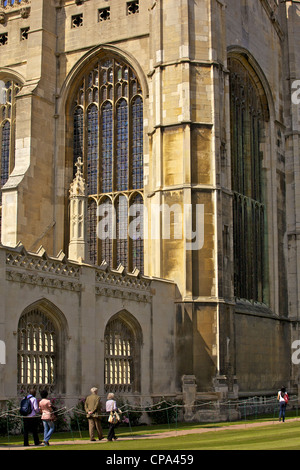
25	408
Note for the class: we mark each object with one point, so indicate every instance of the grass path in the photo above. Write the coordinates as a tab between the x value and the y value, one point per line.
259	435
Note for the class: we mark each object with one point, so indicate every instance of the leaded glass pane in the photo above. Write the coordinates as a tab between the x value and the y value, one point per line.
111	144
122	146
92	235
35	365
119	357
122	231
92	149
137	143
106	228
137	235
248	206
78	136
107	147
5	153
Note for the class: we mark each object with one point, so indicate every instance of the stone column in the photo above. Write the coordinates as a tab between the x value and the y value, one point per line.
189	388
78	214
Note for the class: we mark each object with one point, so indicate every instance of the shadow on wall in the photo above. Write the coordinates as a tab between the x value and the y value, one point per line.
194	339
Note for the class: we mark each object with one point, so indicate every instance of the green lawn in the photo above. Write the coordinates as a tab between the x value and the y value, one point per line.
282	436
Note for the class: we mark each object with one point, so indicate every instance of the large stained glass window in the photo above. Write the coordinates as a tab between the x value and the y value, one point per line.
107	114
8	91
249	211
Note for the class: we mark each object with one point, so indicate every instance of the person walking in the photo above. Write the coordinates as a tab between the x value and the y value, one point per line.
47	417
93	408
283	399
111	408
31	420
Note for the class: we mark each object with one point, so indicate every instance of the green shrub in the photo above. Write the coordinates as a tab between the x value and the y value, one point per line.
130	415
163	412
10	419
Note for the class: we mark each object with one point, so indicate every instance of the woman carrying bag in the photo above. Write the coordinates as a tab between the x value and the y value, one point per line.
283	399
48	417
113	419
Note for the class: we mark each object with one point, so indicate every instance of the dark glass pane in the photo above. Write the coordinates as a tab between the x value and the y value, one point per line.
78	137
92	234
248	208
117	139
106	232
137	234
137	144
107	147
92	149
122	231
5	154
122	146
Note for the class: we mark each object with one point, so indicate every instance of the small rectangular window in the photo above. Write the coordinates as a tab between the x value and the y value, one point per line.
133	7
77	20
3	39
104	14
24	33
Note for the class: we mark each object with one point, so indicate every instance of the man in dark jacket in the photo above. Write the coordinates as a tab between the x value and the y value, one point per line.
31	421
93	409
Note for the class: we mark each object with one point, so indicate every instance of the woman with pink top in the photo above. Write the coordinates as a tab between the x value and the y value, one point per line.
47	416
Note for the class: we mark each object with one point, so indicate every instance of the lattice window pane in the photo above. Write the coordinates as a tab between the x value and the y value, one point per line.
92	150
78	137
248	207
119	371
5	148
92	231
122	231
107	147
106	231
122	146
137	143
33	356
111	140
137	233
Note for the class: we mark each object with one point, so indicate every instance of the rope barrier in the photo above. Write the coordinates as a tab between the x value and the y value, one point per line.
149	409
132	408
154	408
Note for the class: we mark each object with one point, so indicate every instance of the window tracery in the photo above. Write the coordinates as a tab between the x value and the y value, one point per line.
249	211
108	134
121	360
37	351
8	91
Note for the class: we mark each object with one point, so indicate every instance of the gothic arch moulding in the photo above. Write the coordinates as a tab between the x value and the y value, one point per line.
122	354
42	338
49	309
10	74
259	79
130	321
75	75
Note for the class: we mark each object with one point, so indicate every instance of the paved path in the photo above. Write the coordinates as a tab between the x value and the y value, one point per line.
159	435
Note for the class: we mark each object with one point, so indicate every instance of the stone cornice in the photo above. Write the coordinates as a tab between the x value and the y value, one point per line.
42	270
11	9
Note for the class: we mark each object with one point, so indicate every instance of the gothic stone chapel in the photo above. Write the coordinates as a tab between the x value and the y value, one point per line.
150	198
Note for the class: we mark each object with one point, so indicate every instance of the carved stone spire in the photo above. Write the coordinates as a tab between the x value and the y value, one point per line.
78	214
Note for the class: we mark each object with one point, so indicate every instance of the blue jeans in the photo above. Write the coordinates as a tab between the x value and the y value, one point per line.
48	429
282	406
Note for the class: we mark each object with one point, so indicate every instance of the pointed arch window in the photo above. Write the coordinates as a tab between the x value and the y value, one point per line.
8	92
249	210
121	356
107	115
37	351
